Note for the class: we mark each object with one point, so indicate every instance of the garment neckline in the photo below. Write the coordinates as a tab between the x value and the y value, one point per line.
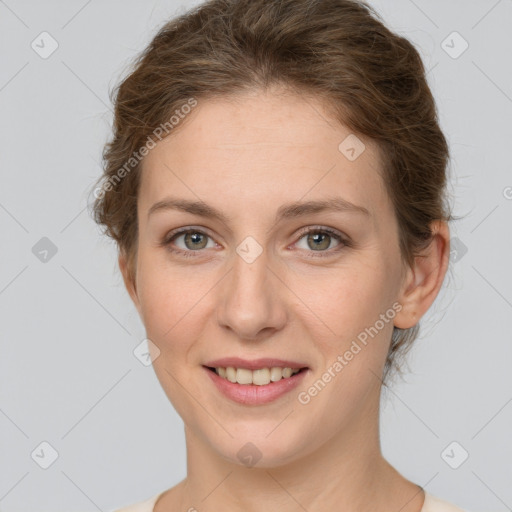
154	500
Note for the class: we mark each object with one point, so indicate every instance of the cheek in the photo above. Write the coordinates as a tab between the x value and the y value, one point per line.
162	296
345	301
173	304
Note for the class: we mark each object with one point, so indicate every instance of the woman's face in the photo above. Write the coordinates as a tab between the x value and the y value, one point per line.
251	283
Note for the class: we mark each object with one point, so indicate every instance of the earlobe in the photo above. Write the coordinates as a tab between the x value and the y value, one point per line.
423	282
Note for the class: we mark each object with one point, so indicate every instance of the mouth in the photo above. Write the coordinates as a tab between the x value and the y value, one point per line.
258	377
255	382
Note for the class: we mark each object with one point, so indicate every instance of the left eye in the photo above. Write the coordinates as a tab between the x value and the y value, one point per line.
319	240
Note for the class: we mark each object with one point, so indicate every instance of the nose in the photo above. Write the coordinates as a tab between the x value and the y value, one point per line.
252	300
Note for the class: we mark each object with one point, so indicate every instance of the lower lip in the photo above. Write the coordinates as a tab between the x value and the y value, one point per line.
250	394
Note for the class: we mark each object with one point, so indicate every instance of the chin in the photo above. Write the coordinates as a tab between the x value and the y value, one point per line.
259	449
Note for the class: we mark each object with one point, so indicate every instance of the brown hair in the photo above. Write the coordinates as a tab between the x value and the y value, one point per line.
371	80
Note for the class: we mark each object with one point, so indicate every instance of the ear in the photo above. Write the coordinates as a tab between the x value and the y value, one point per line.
128	279
423	282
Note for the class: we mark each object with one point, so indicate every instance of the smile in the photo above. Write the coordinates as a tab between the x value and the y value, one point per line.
258	377
258	385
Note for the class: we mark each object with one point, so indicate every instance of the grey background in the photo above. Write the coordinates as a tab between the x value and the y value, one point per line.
68	375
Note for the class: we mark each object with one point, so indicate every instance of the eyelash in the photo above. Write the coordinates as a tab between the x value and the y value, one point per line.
344	242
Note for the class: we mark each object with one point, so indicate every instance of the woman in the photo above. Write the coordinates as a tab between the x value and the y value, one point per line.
276	187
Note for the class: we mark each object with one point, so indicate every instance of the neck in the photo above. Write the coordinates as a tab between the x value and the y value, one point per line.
346	473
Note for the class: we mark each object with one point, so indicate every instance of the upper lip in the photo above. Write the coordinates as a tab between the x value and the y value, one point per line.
254	364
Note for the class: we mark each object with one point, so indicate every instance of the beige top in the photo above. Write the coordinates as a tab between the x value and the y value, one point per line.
431	504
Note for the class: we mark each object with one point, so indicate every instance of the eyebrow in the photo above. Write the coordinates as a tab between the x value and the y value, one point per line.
286	211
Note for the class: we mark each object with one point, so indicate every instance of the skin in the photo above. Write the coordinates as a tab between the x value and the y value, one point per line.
247	156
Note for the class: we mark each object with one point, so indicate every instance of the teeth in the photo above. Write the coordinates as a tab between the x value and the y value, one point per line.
276	374
287	372
260	377
231	374
244	376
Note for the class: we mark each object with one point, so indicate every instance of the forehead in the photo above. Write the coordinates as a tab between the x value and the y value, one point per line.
263	148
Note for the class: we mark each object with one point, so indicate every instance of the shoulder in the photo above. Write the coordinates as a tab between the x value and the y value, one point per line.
141	506
434	504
